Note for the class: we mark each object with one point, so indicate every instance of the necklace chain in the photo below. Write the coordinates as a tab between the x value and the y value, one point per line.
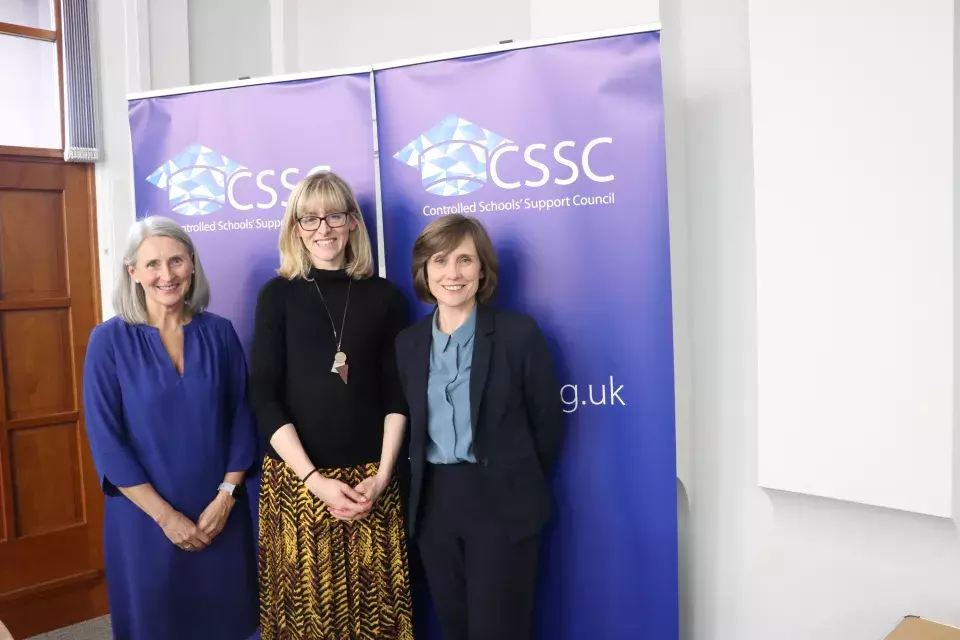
343	323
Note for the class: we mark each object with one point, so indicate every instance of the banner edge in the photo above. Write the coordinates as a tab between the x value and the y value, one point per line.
235	84
523	44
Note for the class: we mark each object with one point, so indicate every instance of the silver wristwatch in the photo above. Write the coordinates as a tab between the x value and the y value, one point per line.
229	488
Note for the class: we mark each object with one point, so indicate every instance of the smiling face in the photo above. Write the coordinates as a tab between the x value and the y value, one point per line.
164	269
325	233
454	277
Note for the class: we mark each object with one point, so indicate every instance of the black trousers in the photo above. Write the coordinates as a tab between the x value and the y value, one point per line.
482	583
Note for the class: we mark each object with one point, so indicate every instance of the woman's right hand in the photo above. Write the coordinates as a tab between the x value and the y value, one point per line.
181	531
339	497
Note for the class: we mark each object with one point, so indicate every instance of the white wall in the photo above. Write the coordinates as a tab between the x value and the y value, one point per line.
169	44
229	39
114	173
284	28
346	34
853	155
767	564
550	18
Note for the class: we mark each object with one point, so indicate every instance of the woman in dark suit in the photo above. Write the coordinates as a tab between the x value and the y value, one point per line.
486	421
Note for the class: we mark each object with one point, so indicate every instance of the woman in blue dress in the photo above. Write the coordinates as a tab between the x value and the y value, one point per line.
172	436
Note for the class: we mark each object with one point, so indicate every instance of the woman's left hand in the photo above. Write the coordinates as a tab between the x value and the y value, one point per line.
214	517
371	487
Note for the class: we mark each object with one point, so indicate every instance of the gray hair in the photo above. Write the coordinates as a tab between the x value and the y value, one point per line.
129	301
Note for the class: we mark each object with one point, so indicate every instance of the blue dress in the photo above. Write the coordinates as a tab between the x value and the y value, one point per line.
182	434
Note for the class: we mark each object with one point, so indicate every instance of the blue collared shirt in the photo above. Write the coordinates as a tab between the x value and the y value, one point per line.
448	394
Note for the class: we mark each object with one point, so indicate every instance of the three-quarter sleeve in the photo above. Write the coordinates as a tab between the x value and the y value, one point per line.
542	395
243	436
267	360
116	463
396	321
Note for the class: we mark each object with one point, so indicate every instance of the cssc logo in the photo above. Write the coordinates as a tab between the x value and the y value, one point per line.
456	157
200	181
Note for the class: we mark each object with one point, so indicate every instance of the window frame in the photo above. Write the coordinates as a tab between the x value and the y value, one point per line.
55	36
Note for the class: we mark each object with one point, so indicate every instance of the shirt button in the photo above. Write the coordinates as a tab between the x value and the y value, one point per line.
484	462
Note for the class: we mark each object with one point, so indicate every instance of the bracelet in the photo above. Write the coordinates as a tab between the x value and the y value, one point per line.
309	474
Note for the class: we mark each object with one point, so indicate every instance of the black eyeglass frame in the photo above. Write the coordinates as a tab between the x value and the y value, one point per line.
320	220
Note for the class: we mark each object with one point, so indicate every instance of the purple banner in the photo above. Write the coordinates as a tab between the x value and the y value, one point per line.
560	151
222	163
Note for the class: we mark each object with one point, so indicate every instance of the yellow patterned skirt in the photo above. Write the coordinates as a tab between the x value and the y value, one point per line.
326	579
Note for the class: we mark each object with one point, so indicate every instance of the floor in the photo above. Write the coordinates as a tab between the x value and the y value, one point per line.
98	629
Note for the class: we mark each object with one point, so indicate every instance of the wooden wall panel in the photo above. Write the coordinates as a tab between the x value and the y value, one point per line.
20	213
46	478
37	365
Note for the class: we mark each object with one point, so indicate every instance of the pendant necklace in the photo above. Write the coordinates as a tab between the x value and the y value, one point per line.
340	358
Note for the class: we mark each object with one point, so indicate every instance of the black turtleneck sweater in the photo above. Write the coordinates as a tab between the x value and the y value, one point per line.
339	425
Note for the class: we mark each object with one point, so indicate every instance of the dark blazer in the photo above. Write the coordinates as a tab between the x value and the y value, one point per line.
516	414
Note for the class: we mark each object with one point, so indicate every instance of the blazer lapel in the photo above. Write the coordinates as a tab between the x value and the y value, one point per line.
419	377
480	367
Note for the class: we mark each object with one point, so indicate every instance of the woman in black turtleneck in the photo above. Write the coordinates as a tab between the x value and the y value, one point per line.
325	388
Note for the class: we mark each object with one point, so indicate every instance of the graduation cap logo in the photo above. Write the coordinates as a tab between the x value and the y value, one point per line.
452	156
195	180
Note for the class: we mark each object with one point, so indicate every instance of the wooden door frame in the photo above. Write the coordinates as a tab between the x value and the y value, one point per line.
47	606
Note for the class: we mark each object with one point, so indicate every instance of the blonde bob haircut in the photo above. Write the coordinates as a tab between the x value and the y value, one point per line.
129	300
442	236
328	193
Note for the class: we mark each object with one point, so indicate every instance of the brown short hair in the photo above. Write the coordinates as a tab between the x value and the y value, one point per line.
329	192
444	235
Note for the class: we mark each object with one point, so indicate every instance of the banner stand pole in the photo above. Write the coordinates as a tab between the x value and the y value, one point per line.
381	245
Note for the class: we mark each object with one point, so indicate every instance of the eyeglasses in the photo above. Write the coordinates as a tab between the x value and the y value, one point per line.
312	222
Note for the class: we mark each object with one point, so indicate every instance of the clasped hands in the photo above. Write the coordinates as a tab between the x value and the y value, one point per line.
345	502
181	531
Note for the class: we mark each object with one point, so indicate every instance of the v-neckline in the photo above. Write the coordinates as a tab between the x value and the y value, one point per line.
183	353
184	330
